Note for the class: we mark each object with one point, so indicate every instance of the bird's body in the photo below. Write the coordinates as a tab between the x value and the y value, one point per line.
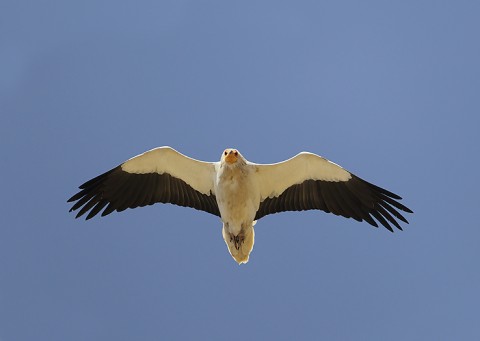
237	195
238	191
238	199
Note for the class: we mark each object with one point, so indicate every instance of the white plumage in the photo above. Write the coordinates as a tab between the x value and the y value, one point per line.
238	191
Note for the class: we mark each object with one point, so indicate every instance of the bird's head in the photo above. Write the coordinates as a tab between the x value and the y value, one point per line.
231	156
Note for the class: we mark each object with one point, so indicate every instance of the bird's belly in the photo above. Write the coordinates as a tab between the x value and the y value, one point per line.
233	211
238	204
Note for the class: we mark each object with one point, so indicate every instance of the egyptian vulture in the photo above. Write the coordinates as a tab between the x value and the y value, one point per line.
238	191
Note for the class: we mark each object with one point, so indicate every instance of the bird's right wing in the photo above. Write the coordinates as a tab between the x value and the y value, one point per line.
159	175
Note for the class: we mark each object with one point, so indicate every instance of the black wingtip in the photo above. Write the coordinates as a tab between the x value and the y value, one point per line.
79	214
72	198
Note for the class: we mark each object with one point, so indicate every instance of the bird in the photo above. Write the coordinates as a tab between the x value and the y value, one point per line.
238	191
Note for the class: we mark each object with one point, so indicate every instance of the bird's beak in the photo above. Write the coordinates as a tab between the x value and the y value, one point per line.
231	157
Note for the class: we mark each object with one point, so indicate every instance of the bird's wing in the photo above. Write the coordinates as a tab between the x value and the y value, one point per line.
308	181
159	175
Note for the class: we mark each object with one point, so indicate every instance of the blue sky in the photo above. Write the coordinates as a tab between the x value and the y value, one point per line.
389	90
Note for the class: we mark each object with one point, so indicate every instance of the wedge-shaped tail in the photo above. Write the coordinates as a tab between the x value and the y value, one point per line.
240	246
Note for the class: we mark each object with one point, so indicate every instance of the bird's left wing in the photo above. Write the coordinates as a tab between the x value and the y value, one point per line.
159	175
308	181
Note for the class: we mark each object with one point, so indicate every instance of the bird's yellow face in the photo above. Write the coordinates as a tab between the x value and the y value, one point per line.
230	156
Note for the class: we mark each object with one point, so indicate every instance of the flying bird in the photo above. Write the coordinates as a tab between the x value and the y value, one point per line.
238	191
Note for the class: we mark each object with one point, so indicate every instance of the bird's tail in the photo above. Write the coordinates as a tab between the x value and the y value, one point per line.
240	246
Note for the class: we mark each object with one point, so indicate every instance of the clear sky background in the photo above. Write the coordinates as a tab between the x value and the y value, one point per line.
389	90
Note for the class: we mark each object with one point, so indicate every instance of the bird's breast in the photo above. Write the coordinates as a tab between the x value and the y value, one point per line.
237	197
